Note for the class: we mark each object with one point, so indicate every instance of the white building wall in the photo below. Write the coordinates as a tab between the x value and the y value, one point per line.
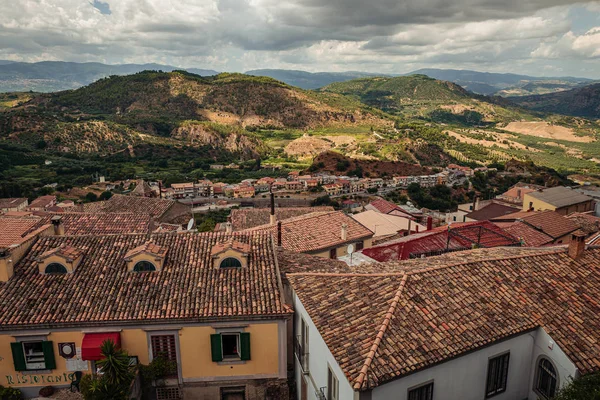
464	378
318	360
544	346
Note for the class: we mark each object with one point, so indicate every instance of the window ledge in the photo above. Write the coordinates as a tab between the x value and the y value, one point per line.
232	362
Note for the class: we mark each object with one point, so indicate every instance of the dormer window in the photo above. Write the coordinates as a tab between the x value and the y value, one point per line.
146	258
61	260
144	266
230	254
230	262
55	269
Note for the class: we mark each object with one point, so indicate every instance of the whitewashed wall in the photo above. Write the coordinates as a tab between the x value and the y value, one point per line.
319	358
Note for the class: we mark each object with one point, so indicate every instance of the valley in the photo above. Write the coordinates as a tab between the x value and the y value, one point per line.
173	125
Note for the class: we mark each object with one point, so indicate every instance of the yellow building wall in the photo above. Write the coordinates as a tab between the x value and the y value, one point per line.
196	359
343	250
537	204
133	341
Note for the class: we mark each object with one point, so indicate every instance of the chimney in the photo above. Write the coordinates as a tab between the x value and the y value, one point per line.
279	234
476	203
429	223
59	227
409	223
228	227
6	265
272	217
577	245
344	232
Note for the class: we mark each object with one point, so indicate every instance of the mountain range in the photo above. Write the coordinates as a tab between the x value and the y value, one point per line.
51	76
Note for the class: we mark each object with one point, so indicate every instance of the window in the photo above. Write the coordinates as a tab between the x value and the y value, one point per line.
230	262
302	345
333	254
360	246
230	346
33	355
332	385
497	375
233	393
546	380
144	266
423	392
55	268
164	346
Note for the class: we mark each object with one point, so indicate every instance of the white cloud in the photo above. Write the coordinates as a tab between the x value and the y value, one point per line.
586	46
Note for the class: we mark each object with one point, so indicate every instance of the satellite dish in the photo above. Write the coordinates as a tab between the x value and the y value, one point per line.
350	249
190	224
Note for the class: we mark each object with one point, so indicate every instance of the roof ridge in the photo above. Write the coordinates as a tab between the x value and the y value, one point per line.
402	273
359	382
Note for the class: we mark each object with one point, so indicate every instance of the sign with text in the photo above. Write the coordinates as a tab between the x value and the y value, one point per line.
41	379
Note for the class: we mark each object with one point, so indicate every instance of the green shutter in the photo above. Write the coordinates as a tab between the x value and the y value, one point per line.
18	356
215	347
245	345
48	349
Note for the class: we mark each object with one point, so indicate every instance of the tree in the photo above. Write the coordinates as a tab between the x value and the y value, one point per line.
91	197
586	387
116	376
105	195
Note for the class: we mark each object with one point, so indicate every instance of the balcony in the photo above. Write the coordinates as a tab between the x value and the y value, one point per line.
301	352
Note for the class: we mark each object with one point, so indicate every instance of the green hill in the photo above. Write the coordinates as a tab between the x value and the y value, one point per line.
580	102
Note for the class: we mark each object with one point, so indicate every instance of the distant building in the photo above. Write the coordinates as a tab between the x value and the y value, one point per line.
13	204
42	203
538	228
561	199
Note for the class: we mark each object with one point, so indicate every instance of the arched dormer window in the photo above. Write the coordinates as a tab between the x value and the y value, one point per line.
55	269
144	266
230	262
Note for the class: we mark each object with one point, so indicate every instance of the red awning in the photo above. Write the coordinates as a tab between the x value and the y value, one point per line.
90	348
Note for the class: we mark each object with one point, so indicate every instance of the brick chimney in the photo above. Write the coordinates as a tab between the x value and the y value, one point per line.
272	217
429	223
59	227
228	227
577	245
6	265
344	232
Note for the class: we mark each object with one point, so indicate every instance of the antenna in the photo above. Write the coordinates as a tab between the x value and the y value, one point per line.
190	224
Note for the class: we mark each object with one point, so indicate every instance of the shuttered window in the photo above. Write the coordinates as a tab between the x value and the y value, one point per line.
497	375
33	355
164	346
230	346
424	392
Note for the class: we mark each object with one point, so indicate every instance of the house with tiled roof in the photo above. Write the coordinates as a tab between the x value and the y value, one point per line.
445	239
210	302
142	189
516	193
490	211
78	223
325	234
13	204
508	323
387	207
561	199
42	203
538	228
246	218
161	210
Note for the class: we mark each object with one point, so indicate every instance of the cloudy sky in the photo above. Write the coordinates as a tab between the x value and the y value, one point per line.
539	37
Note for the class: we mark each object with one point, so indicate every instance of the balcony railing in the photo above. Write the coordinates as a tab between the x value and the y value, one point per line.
301	353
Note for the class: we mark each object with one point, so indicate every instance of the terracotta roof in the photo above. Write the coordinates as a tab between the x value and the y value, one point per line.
230	244
381	326
65	251
587	222
459	236
42	202
102	290
102	223
549	222
491	211
317	231
11	203
132	204
251	217
386	224
560	196
142	188
529	235
386	207
150	248
16	230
